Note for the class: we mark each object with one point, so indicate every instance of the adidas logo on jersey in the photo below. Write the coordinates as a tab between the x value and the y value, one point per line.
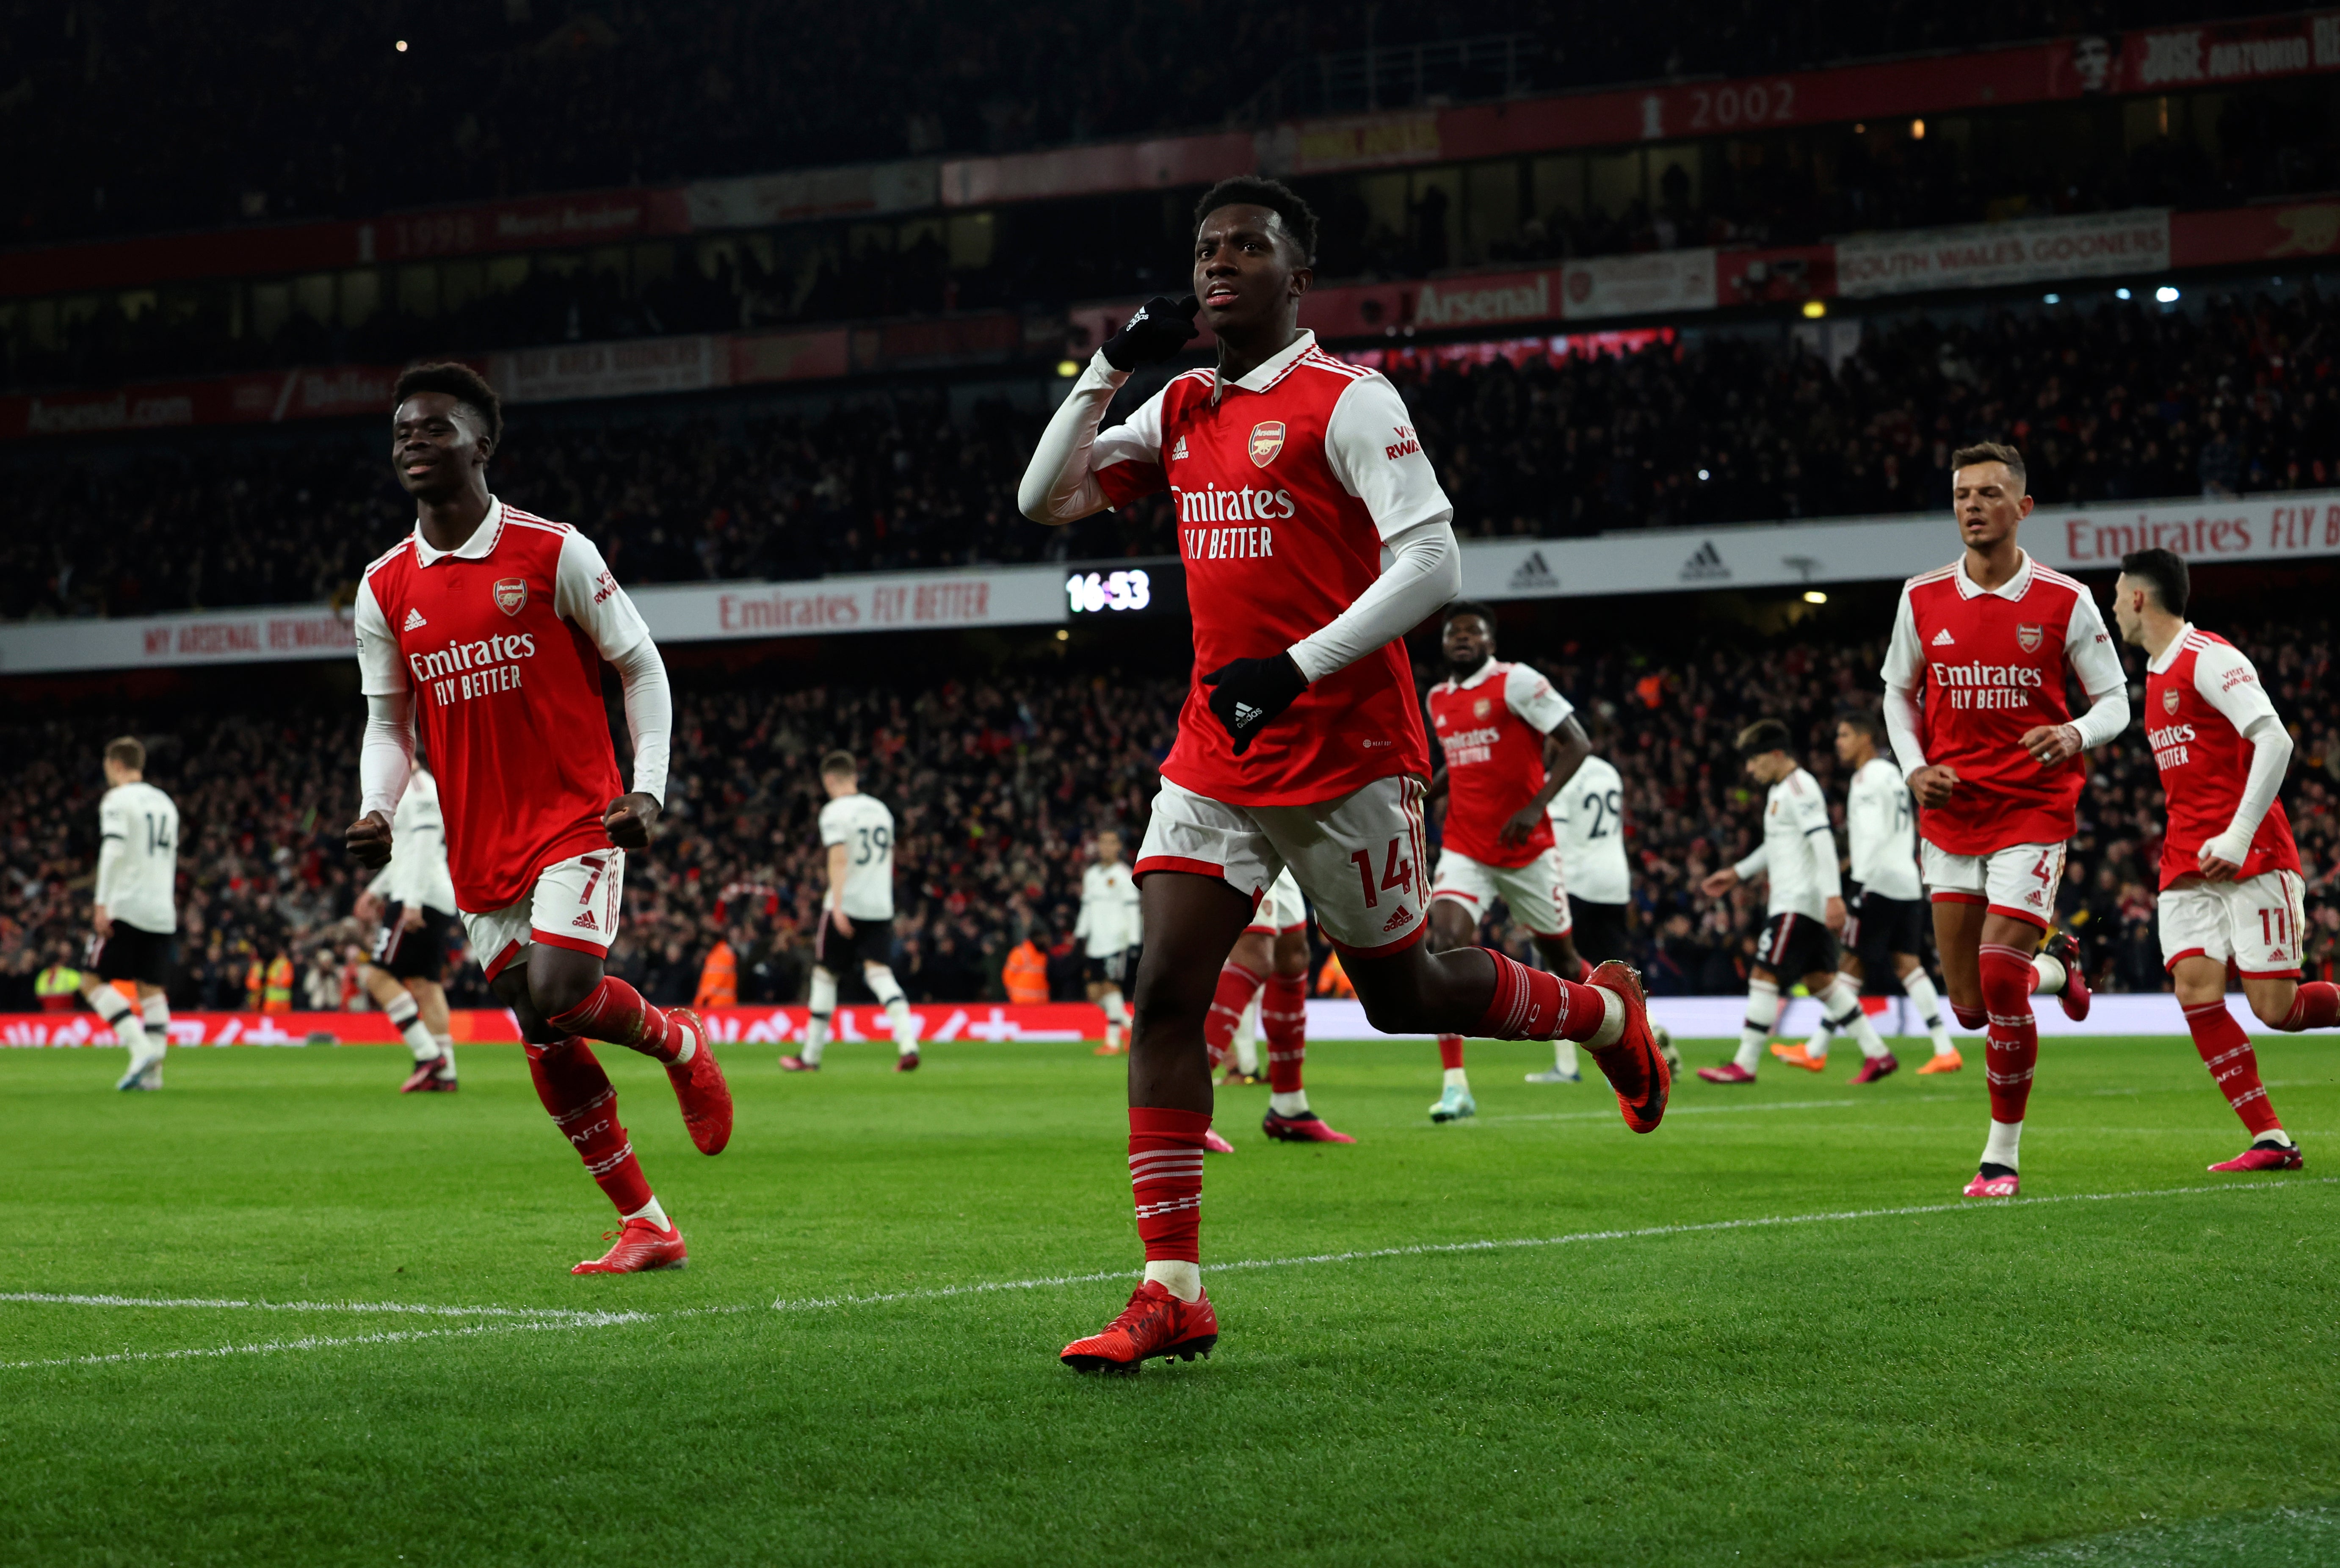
1534	575
584	922
1943	638
413	619
1705	565
1179	450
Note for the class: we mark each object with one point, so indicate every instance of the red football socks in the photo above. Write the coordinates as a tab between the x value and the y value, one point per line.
2317	1006
2234	1066
1530	1005
616	1012
576	1092
1165	1173
1238	986
1450	1051
1969	1018
1283	1019
2011	1040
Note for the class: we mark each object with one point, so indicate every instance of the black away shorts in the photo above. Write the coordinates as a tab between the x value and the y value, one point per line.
1794	946
417	955
131	954
872	942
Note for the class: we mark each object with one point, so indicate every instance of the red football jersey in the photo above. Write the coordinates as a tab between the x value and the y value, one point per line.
1988	665
1287	481
1492	728
501	641
2197	704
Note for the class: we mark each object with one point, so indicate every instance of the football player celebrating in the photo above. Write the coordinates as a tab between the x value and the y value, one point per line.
1314	536
495	624
1974	702
1509	743
2231	889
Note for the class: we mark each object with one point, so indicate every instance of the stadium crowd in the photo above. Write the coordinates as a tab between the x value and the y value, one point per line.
2231	394
997	783
562	94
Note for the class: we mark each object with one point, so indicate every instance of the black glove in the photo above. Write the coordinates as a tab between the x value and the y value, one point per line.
1161	327
1247	693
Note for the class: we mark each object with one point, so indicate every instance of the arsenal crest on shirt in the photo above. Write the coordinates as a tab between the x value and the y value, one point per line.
2169	700
1267	441
1481	708
2027	638
511	594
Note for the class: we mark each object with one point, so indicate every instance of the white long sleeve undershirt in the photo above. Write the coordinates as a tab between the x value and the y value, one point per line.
1424	573
386	754
2271	748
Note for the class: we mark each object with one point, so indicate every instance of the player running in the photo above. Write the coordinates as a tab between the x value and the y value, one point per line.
1588	823
495	624
413	901
1883	915
2231	889
1109	928
1806	908
857	915
1268	968
133	919
1509	743
1314	535
1974	702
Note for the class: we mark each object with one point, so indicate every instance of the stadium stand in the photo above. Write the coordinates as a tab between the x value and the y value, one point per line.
2223	394
997	781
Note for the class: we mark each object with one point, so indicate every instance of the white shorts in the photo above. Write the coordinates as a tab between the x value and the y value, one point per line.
1536	893
2018	880
575	904
1359	858
1282	910
2256	923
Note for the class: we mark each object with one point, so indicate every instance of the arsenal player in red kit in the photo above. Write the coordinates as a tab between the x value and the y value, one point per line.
2231	889
1509	743
1313	536
491	627
1975	702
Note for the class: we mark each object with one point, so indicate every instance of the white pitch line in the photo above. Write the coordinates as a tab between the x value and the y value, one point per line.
60	1298
1610	1113
538	1320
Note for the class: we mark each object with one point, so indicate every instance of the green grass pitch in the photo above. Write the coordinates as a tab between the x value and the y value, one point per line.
1897	1377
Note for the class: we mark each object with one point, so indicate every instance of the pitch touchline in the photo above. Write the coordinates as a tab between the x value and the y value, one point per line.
424	1309
539	1319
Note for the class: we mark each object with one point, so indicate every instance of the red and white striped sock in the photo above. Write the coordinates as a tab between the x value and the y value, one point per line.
576	1091
616	1012
1283	1019
2315	1007
1238	986
2234	1066
2011	1041
1166	1176
1532	1005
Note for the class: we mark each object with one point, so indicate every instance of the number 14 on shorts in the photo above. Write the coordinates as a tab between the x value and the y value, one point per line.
1397	871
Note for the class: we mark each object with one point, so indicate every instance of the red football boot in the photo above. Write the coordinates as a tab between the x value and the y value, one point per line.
1643	1104
2064	949
425	1080
1155	1322
641	1245
907	1062
2265	1157
1307	1128
1875	1068
2006	1184
700	1089
1213	1144
1727	1072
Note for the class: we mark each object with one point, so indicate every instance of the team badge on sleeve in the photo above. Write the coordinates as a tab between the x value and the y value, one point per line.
1267	441
2028	638
511	594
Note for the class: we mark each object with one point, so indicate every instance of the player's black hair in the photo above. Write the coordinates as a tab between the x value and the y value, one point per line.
1253	191
842	765
1993	451
2166	571
1765	735
459	381
1869	722
1468	607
